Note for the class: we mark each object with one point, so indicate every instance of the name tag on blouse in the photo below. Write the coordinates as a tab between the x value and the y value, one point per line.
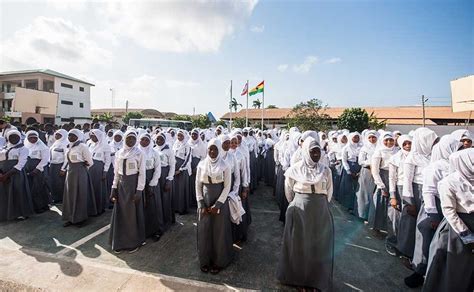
35	153
131	165
149	163
323	184
163	158
98	155
74	157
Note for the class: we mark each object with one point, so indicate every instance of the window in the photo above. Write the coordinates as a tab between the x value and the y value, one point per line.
66	102
66	119
81	89
66	85
81	105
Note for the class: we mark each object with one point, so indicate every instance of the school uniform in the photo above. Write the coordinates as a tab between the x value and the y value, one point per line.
127	227
307	253
269	172
198	152
451	260
35	168
167	176
15	196
349	185
182	153
214	231
364	194
100	151
114	147
57	153
78	201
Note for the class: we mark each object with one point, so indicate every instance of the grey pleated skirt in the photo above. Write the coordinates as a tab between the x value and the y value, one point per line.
393	220
214	232
307	254
79	200
407	225
15	196
56	182
336	171
99	185
153	208
192	182
365	194
166	199
269	174
180	196
349	186
254	170
38	186
451	262
378	217
127	224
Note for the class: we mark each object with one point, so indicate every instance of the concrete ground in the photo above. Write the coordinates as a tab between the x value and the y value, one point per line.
39	254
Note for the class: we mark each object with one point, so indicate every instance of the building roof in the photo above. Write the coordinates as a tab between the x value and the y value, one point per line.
391	114
45	71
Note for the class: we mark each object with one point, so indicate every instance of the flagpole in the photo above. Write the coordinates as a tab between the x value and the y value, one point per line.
263	104
247	109
230	105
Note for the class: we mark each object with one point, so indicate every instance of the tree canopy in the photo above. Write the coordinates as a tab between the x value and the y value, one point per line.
309	115
132	115
354	119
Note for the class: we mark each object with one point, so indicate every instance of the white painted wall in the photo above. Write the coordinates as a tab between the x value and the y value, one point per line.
74	95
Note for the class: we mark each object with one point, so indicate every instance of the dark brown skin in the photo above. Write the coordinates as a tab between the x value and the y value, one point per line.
57	136
315	154
72	138
195	136
32	139
94	138
160	141
226	145
117	138
131	141
144	142
14	139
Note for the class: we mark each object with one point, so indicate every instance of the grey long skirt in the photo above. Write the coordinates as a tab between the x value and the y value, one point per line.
254	169
181	189
99	185
423	236
307	254
269	168
240	232
127	224
393	220
214	232
78	201
57	182
192	182
153	208
407	226
15	196
451	262
349	186
166	200
364	194
38	187
336	171
378	217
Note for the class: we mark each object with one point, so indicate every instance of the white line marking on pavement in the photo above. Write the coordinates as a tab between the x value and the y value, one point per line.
352	286
55	209
81	241
362	247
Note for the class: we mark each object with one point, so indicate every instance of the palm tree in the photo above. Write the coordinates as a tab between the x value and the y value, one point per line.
257	103
234	104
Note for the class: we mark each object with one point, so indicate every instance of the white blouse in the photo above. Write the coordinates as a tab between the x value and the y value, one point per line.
153	161
102	154
78	154
58	155
323	187
136	164
168	159
235	170
20	154
225	178
43	155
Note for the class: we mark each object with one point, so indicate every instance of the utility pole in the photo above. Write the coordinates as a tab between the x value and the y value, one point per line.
126	107
423	100
113	97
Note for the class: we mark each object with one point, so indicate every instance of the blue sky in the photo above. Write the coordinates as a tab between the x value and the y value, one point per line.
177	55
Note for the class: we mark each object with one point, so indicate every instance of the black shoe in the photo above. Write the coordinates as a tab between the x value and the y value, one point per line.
414	280
391	250
156	237
66	224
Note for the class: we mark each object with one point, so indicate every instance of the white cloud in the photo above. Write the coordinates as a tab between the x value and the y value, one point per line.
53	43
257	29
282	67
333	61
177	26
306	65
179	83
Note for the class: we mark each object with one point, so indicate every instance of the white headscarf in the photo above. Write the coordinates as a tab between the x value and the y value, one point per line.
79	134
114	144
447	145
38	146
423	139
352	148
382	151
307	171
462	162
368	146
312	134
213	167
13	132
401	140
179	147
61	143
101	144
127	152
148	148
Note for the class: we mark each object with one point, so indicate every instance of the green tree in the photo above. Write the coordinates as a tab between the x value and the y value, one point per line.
272	106
354	119
375	124
201	121
257	103
234	104
132	115
105	117
258	125
220	123
309	115
238	123
182	118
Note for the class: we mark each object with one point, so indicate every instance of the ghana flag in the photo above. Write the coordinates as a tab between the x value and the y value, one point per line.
257	89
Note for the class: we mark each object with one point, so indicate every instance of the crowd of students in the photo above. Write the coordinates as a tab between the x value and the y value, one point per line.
415	190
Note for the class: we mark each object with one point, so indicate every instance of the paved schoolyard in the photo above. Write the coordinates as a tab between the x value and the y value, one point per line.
41	254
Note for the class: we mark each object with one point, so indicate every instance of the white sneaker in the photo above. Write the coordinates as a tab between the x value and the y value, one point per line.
134	250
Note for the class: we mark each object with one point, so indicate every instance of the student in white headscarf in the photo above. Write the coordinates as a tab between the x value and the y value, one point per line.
297	155
198	152
335	157
395	180
350	172
430	214
127	227
378	213
152	200
78	201
115	145
269	169
182	153
451	262
166	178
307	253
214	229
100	151
36	166
417	160
366	181
56	179
464	136
15	197
279	150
